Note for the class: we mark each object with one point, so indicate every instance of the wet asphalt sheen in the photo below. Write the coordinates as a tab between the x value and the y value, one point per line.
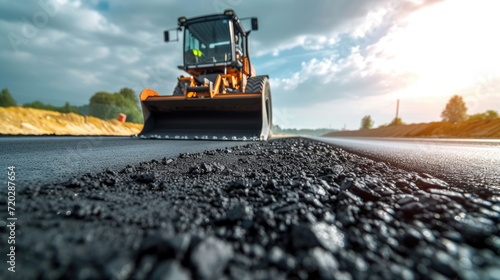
52	159
43	160
464	162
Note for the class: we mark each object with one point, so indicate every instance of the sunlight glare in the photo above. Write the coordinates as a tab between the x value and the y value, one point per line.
447	46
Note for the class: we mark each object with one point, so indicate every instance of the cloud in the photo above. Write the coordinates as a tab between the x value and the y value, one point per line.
330	52
386	54
78	51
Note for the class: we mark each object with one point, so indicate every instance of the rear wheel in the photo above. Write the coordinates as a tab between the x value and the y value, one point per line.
179	89
260	84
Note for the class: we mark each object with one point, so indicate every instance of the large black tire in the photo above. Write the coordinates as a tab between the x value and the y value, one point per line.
179	89
260	84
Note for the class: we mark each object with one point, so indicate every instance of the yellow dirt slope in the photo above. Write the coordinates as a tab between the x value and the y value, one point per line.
28	121
467	129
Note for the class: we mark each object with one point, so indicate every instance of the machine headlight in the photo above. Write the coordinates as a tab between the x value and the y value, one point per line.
182	20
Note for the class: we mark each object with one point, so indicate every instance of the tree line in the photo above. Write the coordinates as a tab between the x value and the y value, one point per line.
302	131
103	105
455	111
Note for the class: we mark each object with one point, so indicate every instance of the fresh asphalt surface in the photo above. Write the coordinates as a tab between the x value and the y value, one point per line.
286	209
43	160
464	162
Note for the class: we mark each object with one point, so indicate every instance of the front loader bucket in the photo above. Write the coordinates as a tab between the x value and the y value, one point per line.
224	117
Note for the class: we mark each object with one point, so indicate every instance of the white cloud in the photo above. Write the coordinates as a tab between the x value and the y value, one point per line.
87	78
128	55
333	54
444	55
371	21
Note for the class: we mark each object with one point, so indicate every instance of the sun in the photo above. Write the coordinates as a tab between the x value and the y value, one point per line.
447	46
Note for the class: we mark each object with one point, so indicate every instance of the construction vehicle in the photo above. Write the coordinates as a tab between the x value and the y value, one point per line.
222	98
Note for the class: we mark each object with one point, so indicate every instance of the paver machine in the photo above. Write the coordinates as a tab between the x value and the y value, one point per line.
222	98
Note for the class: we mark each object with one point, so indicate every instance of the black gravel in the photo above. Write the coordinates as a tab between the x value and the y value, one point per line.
283	209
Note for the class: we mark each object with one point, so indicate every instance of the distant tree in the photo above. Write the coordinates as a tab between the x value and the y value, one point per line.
67	108
396	121
83	109
40	105
303	131
129	94
491	115
128	101
366	122
476	117
488	115
135	116
107	105
455	110
103	106
35	104
276	128
6	99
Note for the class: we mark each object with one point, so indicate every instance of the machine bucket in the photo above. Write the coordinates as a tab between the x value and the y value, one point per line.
224	117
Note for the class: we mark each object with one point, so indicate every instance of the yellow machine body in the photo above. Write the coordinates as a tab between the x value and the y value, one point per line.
223	98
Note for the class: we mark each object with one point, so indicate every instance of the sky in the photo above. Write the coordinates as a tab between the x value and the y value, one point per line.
330	62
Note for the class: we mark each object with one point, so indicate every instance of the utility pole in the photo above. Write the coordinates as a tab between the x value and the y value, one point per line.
397	113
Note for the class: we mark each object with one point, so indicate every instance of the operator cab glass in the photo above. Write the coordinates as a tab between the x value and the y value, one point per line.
207	42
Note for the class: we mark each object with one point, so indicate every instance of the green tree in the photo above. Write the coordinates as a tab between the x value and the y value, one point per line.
102	106
134	113
6	99
134	116
491	115
477	117
455	110
67	108
38	105
129	94
367	122
83	109
396	121
488	115
276	128
107	105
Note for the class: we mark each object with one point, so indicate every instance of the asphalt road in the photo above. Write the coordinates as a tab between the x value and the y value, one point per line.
464	162
286	209
291	208
44	160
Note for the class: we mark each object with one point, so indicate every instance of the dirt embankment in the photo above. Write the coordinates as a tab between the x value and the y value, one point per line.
467	129
29	121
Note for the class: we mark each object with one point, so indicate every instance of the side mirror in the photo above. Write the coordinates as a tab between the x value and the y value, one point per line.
166	36
255	24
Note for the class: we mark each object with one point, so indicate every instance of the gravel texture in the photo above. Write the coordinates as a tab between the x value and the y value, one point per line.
282	209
